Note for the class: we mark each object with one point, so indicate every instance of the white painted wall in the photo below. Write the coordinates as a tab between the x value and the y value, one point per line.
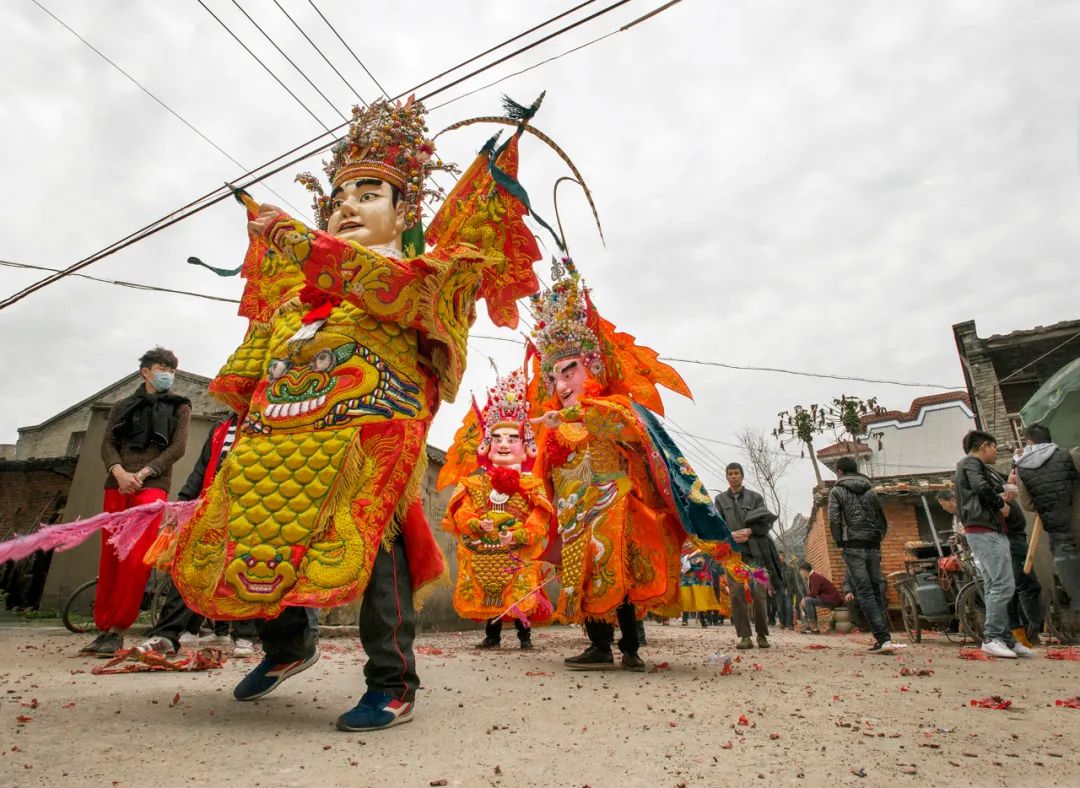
930	442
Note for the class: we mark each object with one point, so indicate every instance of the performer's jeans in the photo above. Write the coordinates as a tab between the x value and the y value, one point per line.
493	630
1067	566
740	613
387	629
176	618
991	551
602	633
121	584
1025	607
863	566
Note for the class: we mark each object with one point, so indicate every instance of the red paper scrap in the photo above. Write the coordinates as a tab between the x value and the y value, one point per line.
1069	703
993	702
1070	653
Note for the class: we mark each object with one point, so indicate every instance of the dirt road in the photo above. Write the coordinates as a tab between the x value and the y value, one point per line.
791	715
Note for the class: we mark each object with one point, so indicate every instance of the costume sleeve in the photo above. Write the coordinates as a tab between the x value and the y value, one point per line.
536	526
461	518
607	420
110	449
434	294
177	443
835	516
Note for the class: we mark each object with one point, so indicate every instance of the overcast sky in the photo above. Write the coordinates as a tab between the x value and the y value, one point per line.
815	186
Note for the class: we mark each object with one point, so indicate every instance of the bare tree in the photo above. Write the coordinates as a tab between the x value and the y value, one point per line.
767	468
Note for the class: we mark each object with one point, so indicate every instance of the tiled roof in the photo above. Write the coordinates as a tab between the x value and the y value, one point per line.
917	405
843	449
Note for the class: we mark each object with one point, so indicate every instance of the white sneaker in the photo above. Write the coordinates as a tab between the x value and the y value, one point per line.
996	648
188	639
1021	650
242	647
888	647
157	645
214	640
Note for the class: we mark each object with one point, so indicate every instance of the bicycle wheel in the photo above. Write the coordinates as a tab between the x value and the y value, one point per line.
971	611
78	611
157	601
909	610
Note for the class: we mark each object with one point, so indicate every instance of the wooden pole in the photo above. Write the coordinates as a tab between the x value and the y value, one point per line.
1033	545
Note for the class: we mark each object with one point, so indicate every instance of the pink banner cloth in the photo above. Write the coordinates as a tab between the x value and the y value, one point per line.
124	529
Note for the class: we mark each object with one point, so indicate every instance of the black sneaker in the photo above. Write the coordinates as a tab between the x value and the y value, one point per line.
526	645
267	676
632	662
488	643
92	646
591	659
106	646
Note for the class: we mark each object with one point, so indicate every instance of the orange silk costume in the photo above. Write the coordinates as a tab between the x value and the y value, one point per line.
327	466
496	578
625	500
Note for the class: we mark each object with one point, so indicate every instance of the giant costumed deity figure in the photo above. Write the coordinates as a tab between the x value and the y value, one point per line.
355	335
625	497
501	515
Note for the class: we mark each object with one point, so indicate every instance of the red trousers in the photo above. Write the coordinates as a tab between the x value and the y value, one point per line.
121	583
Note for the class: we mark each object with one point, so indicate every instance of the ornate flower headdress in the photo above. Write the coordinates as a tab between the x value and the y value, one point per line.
387	141
507	406
561	322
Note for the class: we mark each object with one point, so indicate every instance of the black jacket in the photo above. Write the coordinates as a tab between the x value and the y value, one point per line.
855	515
749	511
977	499
1048	474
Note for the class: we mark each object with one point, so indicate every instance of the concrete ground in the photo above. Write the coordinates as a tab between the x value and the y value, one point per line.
790	715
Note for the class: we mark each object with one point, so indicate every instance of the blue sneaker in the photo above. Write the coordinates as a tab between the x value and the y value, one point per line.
376	710
267	675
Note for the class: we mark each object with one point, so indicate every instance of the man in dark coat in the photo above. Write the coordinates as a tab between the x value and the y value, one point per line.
858	525
750	521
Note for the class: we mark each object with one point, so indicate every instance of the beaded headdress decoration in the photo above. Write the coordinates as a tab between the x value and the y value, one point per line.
507	406
387	141
561	322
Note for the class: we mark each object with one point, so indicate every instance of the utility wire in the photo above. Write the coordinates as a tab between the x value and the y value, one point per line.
265	67
215	196
342	40
165	106
290	61
323	56
809	374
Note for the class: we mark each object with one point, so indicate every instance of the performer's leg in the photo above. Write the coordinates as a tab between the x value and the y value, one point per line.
629	643
601	635
173	621
740	615
287	638
387	630
492	634
524	633
388	626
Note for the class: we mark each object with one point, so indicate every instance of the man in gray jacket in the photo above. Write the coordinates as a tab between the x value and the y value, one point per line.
750	520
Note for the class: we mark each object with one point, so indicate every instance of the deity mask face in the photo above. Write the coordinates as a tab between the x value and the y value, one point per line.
507	448
261	573
364	212
569	380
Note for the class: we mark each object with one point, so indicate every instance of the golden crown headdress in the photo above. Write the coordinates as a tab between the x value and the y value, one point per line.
506	406
387	141
561	321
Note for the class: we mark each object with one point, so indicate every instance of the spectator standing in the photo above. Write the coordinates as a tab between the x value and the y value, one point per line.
146	433
1047	479
858	525
783	597
750	521
820	592
982	511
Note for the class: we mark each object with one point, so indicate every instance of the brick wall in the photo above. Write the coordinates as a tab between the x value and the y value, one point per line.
825	556
31	491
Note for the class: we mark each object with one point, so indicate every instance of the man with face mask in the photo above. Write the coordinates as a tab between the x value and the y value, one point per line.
145	435
501	516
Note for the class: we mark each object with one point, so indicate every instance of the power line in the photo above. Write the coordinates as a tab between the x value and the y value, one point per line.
215	196
809	374
165	106
323	56
265	67
281	52
342	40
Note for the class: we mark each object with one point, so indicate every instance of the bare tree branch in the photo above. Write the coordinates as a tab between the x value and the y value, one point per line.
767	469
